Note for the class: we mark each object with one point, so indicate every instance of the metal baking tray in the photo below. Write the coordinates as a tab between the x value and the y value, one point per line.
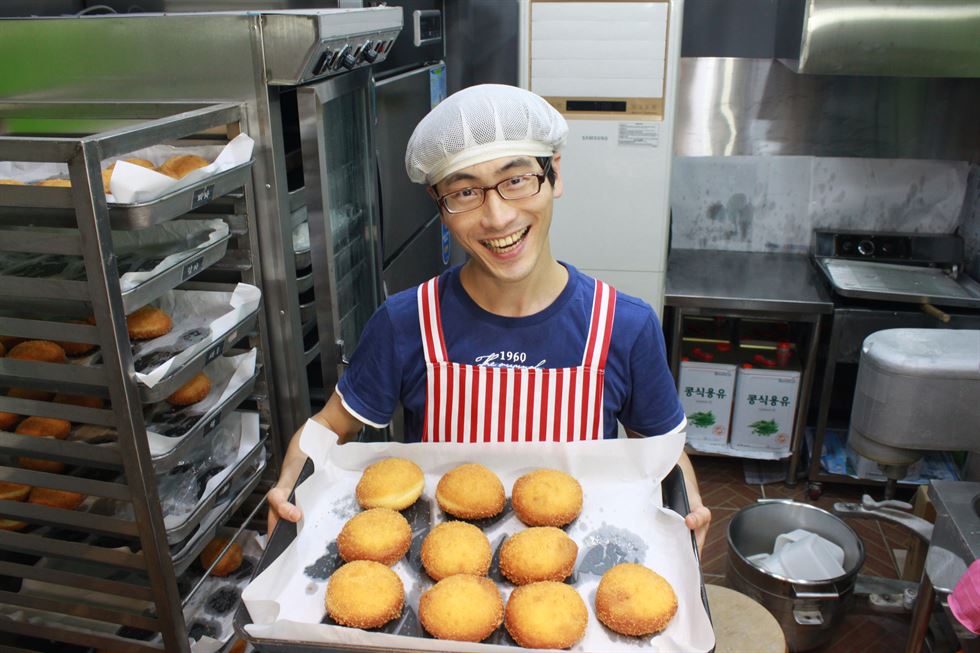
218	483
304	282
301	245
674	497
186	553
200	256
307	312
204	425
124	216
241	470
900	283
193	360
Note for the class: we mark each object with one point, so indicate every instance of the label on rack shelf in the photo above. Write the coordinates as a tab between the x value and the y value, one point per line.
193	268
202	196
215	351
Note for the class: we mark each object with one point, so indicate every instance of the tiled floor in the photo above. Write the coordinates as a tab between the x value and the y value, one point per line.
724	491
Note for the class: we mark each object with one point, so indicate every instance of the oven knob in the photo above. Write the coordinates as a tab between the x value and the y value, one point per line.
866	247
368	53
348	61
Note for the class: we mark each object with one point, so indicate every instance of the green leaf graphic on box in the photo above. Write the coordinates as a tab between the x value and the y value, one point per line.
764	427
702	419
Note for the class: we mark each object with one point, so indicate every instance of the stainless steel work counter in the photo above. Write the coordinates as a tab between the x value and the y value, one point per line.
751	285
754	281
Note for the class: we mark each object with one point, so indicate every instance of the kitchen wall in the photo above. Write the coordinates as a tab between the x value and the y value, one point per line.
970	227
765	155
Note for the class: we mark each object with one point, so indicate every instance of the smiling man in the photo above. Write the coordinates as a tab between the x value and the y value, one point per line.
514	345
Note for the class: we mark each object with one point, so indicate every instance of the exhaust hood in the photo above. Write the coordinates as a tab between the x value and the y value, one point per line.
897	38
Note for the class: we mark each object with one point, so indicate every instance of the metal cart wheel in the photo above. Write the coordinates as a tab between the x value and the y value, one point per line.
814	490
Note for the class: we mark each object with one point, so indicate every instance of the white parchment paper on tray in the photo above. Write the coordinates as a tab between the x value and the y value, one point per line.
133	184
203	233
622	521
201	318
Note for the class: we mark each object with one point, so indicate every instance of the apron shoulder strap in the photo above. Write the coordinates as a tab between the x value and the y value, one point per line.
600	326
430	322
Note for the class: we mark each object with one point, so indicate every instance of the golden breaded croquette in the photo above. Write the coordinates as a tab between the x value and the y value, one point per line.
379	534
463	607
456	547
471	491
394	483
38	350
64	499
634	600
191	392
181	165
364	594
147	323
546	497
546	615
230	561
536	554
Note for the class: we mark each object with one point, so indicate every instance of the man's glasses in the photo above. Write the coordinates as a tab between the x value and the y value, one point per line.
512	188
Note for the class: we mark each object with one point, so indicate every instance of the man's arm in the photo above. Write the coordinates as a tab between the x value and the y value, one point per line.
336	418
699	518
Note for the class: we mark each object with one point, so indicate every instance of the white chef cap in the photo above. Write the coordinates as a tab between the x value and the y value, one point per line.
479	124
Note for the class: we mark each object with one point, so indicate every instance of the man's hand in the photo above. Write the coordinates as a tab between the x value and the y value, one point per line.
279	507
698	520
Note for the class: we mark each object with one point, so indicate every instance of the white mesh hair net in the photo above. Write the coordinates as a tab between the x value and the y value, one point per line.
479	124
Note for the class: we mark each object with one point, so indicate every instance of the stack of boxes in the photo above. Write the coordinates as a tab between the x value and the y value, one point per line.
742	397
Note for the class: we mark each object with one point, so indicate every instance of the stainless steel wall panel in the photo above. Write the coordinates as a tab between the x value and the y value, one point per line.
759	107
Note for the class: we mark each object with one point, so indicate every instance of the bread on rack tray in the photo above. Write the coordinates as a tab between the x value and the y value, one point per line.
230	561
536	554
38	350
64	499
634	600
462	607
181	165
379	534
147	323
191	392
364	594
546	615
546	497
456	547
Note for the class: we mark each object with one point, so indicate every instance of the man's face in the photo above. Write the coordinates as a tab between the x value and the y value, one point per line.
506	239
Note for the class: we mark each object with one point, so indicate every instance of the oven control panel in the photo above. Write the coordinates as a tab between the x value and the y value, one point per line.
872	246
943	250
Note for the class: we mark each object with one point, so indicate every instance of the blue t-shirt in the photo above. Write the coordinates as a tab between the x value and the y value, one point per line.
388	364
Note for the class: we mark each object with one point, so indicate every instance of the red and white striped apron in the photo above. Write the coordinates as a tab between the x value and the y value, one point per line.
475	404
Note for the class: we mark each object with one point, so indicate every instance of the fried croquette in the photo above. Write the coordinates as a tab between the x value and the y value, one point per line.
9	420
11	182
147	323
546	497
536	554
29	393
55	183
83	401
191	392
230	561
77	348
3	350
107	173
470	491
38	350
456	547
11	524
364	594
14	491
393	483
378	534
45	427
463	607
634	600
181	165
64	499
546	615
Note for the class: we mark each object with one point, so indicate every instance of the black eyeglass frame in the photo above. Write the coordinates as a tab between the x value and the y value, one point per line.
441	200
